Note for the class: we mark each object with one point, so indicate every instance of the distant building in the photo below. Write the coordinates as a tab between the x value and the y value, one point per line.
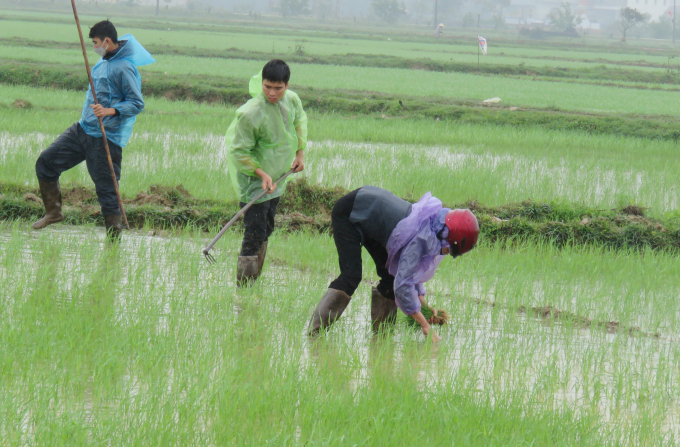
163	3
605	12
654	8
594	14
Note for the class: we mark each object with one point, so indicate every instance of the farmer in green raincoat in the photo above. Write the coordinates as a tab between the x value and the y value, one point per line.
265	140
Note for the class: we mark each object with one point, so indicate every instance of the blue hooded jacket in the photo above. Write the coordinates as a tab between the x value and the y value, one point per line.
119	86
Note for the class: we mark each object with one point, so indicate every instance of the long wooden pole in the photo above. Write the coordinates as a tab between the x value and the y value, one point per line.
101	123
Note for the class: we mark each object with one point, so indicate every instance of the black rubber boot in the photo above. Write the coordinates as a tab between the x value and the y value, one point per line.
247	270
51	197
114	227
383	311
329	309
261	254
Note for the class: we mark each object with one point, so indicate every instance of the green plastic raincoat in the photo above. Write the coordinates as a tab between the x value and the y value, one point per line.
266	136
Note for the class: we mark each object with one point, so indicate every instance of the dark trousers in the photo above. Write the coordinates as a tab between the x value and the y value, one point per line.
348	243
259	223
72	148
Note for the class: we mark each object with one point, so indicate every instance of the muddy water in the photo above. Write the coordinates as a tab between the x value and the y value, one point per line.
485	351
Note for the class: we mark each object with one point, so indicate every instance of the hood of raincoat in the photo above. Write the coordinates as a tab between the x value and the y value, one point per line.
118	85
255	86
265	136
418	232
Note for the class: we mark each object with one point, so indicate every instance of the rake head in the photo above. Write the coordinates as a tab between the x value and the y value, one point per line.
208	257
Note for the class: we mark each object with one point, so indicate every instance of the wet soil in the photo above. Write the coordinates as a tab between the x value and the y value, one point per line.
308	207
550	313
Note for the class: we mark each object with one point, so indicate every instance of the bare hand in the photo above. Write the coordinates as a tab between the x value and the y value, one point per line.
101	111
428	331
267	184
298	163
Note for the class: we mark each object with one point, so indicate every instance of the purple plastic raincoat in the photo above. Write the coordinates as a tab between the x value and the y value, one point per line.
414	252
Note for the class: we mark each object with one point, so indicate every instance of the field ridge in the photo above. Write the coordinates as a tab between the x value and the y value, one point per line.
307	207
233	91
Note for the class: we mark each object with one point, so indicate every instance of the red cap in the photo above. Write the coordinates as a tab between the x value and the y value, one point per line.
463	231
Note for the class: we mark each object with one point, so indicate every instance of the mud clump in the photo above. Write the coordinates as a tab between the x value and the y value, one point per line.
303	197
32	198
22	104
78	196
297	221
153	199
177	195
546	312
166	196
633	210
612	327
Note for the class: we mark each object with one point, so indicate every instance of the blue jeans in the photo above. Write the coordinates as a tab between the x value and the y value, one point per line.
72	148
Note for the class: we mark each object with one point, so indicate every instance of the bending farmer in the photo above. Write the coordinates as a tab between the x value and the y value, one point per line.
117	85
407	243
266	139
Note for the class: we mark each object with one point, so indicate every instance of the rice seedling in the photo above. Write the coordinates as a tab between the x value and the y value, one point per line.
440	319
146	343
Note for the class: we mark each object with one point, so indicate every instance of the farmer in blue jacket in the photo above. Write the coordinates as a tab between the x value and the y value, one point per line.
118	86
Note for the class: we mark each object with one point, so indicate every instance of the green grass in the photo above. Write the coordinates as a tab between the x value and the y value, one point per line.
512	91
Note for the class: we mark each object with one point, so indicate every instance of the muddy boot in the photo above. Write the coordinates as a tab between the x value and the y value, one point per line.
383	311
51	197
260	257
247	270
114	227
329	309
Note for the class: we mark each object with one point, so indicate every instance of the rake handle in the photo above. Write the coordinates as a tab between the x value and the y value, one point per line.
101	123
206	250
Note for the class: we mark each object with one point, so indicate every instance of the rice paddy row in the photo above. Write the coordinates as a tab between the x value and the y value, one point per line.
148	344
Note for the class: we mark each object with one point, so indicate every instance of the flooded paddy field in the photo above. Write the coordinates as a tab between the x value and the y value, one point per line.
146	343
551	342
489	164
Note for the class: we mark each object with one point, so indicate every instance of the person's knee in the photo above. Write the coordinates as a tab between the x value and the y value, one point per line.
386	290
43	169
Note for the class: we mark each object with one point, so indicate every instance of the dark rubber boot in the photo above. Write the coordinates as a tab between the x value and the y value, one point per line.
329	309
260	257
114	227
383	311
51	197
247	270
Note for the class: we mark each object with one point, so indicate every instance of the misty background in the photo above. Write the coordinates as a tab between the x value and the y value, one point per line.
535	18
